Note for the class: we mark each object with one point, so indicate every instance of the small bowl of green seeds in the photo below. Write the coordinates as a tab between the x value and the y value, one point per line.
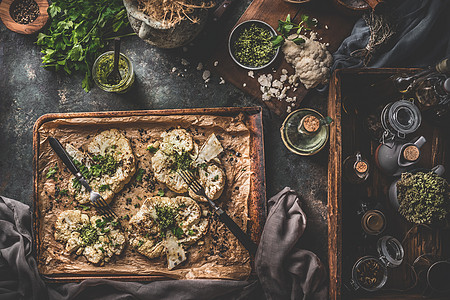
250	45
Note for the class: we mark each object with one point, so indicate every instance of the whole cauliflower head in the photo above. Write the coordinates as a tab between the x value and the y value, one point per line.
311	61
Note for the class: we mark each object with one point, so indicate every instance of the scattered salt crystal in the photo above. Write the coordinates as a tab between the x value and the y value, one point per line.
174	70
184	62
216	63
284	71
288	109
251	74
199	66
326	26
222	81
244	84
207	80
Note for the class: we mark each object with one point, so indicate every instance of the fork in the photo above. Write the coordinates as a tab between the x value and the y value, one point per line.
96	199
198	189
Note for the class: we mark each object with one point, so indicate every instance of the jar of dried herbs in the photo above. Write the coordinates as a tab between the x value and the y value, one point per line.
369	273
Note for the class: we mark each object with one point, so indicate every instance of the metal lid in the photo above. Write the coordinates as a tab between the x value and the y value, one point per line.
447	85
401	117
391	251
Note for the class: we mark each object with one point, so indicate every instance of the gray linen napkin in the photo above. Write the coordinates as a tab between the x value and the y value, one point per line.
285	271
422	37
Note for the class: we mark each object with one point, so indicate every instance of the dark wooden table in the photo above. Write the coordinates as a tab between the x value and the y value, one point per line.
28	91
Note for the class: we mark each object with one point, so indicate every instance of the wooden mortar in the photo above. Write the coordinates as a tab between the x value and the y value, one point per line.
29	28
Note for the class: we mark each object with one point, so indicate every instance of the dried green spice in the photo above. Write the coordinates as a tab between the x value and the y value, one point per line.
424	198
104	187
253	47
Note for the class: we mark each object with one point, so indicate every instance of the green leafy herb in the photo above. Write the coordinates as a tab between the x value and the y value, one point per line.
104	187
63	192
253	46
136	206
285	28
203	166
139	174
78	32
191	232
52	171
161	192
216	178
140	243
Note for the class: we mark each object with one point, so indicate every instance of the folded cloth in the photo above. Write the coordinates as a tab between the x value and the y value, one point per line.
285	272
422	37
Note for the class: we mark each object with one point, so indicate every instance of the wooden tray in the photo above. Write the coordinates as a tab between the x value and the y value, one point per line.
270	11
355	93
257	197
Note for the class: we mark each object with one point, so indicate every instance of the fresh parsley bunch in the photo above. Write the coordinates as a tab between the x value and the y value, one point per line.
78	32
285	28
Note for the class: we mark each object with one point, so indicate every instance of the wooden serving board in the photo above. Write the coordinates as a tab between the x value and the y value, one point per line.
270	11
354	95
252	118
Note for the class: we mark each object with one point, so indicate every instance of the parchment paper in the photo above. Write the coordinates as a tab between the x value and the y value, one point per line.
217	255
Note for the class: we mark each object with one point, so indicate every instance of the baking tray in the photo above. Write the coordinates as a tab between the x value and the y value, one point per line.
256	201
354	93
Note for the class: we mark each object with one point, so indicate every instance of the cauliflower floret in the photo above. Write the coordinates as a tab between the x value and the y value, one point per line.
311	61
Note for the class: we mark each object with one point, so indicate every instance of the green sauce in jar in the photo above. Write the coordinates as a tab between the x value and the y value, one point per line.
104	65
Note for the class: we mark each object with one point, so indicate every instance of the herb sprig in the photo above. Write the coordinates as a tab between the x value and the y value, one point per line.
78	32
285	28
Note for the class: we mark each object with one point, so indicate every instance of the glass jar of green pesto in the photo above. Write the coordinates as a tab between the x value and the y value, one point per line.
103	65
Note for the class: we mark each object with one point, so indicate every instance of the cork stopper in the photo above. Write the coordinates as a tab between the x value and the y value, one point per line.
411	153
361	167
311	123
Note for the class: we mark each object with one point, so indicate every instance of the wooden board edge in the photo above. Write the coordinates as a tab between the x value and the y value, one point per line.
255	117
334	189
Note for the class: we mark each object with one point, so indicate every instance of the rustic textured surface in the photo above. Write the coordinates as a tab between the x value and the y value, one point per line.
28	91
349	106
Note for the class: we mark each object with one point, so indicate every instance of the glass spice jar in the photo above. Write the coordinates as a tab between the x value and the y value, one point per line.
370	273
103	65
400	118
355	168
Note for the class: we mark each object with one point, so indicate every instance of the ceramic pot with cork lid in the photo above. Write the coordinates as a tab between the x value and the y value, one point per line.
394	157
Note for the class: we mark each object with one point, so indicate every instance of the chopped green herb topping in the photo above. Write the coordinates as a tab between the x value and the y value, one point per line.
52	171
88	235
216	178
161	192
152	149
181	161
139	174
191	232
104	187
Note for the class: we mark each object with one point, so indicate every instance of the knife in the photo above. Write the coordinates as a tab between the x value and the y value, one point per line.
67	160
